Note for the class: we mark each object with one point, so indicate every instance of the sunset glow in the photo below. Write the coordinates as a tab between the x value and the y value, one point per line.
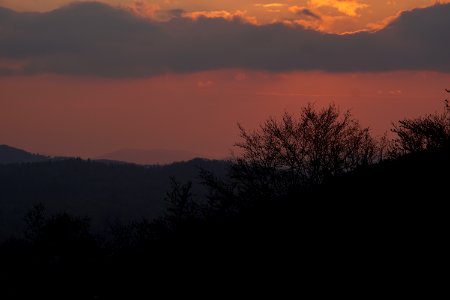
182	74
326	15
198	112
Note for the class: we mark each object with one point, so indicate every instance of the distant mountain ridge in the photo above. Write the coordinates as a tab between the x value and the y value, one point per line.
106	190
10	155
149	157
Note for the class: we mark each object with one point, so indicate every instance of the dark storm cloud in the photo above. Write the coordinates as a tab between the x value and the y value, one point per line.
95	39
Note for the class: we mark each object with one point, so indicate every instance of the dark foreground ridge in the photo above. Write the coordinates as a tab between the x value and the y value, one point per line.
390	216
314	205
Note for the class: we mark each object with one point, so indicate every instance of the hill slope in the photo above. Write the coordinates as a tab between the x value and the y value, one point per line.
149	157
105	192
10	155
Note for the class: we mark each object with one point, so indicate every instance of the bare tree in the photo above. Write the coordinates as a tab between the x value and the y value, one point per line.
423	133
302	150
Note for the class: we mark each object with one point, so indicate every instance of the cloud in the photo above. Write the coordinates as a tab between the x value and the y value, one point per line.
305	12
309	13
98	40
143	9
347	7
269	5
216	14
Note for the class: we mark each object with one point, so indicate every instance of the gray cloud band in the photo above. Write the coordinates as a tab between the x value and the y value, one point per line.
99	40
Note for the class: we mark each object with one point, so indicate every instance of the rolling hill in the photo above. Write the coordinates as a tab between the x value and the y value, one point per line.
149	157
104	191
10	155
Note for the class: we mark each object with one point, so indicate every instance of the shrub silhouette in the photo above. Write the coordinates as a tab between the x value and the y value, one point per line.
60	234
430	132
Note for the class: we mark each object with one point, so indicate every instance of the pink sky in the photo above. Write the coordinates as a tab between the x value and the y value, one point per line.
198	112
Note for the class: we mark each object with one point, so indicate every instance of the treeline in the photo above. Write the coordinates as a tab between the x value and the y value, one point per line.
105	191
308	196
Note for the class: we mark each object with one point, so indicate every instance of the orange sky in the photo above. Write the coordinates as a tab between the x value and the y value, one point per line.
336	15
89	116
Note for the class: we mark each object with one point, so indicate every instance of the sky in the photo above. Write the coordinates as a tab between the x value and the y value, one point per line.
84	79
325	15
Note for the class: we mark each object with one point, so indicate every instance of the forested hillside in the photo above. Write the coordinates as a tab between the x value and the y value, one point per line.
307	193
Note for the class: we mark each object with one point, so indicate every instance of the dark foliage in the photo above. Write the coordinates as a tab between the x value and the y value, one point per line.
430	132
293	153
359	223
302	150
105	192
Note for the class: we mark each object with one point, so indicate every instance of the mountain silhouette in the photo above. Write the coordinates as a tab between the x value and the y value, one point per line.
10	155
149	157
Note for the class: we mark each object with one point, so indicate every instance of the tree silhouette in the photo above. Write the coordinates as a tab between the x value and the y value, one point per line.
302	150
430	132
283	160
35	220
182	207
58	234
284	157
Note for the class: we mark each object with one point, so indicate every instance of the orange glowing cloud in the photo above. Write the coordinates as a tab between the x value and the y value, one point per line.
316	14
143	9
129	46
338	16
271	7
348	7
312	18
222	14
